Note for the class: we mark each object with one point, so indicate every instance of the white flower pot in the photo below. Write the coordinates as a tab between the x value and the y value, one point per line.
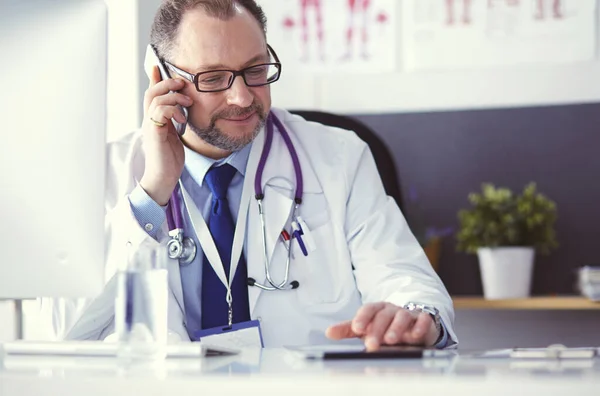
506	271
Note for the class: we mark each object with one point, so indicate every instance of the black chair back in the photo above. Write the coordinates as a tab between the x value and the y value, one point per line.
383	158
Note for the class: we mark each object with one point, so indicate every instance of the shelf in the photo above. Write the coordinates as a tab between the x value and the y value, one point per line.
533	303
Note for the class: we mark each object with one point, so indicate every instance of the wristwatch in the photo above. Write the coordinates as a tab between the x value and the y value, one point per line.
431	310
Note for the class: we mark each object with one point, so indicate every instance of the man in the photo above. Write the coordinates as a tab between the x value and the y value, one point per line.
364	265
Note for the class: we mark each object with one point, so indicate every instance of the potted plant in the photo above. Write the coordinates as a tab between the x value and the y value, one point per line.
505	230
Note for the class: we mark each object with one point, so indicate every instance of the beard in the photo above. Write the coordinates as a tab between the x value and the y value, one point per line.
217	138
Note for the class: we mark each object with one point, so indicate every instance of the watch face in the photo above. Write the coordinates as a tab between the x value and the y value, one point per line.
411	306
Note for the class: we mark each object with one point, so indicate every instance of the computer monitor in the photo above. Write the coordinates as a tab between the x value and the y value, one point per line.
52	155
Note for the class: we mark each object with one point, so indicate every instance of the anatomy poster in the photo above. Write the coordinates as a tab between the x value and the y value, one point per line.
458	34
333	35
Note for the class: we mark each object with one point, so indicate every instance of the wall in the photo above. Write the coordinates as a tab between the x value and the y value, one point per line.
385	93
402	91
445	155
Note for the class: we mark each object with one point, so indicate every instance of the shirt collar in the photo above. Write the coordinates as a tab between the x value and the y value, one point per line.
198	165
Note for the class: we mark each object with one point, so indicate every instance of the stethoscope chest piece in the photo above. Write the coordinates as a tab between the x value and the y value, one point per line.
184	250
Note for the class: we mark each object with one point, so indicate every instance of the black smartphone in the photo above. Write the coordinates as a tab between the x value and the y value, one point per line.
151	55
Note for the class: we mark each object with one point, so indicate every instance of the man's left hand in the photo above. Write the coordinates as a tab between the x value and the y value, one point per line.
387	324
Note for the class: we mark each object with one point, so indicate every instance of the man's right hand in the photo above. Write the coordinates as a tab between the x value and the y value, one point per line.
163	148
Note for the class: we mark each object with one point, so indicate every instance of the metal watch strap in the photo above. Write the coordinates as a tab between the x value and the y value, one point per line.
435	315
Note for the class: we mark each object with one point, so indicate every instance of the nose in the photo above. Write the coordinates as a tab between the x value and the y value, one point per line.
239	94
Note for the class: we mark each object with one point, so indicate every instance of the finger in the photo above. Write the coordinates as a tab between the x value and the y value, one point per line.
169	112
364	316
341	331
171	99
420	330
154	78
378	327
155	75
165	113
161	88
403	322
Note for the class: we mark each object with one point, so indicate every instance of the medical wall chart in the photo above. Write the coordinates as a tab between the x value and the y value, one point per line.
459	34
333	35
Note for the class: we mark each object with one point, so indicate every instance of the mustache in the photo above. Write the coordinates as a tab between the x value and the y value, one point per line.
240	111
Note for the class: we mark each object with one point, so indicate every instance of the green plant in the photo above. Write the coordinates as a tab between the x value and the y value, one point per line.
500	218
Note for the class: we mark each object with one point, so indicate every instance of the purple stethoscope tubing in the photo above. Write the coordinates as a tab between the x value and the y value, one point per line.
184	248
265	154
174	218
284	285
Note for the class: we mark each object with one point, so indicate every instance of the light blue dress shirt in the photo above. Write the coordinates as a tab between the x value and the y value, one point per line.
151	217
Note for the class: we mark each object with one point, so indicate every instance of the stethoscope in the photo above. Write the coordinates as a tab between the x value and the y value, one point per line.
184	248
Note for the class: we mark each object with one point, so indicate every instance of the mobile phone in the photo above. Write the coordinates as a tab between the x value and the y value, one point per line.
153	59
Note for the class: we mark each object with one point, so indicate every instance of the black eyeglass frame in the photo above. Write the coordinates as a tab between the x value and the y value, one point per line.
194	78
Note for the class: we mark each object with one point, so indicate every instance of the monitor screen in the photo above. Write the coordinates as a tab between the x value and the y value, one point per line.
52	155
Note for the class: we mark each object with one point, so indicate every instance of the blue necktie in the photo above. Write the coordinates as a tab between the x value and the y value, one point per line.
215	310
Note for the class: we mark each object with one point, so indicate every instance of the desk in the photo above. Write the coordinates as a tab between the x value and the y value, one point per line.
280	372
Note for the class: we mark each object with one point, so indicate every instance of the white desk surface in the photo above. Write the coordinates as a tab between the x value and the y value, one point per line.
282	373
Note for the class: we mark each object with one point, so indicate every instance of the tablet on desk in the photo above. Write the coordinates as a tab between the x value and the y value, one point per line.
338	352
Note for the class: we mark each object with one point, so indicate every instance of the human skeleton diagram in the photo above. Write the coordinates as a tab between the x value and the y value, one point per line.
556	9
317	8
465	17
358	24
312	33
465	11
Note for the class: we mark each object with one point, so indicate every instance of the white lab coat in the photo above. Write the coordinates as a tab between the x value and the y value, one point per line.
365	250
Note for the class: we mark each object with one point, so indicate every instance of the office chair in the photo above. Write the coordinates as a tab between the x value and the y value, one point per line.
382	155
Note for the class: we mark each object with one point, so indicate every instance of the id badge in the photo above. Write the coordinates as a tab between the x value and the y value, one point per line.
239	335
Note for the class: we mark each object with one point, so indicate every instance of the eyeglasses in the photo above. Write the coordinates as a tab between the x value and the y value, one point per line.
222	80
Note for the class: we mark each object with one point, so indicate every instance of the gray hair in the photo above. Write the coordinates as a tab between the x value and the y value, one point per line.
167	20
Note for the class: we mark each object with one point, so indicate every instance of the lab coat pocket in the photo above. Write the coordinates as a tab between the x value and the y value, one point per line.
317	271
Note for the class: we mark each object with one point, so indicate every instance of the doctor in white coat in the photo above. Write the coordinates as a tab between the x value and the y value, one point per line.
367	277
